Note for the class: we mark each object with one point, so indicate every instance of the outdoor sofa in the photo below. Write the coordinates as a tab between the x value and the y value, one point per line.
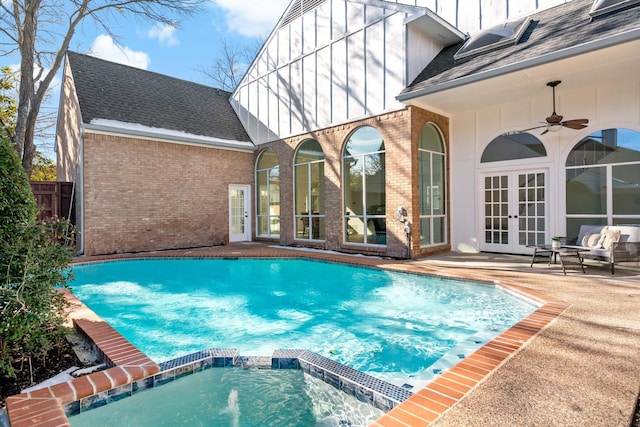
610	244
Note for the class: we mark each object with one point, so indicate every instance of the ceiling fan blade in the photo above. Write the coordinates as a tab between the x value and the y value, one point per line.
537	127
545	131
576	124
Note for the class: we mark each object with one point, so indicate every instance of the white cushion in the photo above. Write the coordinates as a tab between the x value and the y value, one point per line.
608	238
628	233
590	240
589	229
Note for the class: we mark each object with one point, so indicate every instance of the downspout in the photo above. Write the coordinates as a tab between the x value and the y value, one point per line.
79	186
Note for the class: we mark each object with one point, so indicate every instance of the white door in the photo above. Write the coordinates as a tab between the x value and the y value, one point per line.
239	208
514	211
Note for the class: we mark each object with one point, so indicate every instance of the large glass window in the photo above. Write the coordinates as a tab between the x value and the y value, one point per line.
309	191
364	194
513	146
603	180
432	187
268	194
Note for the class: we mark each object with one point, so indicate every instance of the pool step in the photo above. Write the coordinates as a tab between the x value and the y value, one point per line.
252	362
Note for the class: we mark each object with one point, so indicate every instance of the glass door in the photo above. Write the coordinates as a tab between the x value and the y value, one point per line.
239	208
515	211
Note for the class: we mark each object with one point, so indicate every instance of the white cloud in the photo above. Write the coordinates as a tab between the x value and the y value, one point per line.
252	18
105	48
54	86
164	33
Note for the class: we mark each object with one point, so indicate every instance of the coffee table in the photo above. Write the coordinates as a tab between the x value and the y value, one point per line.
563	252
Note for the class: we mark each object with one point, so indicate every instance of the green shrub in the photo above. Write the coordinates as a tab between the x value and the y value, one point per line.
34	266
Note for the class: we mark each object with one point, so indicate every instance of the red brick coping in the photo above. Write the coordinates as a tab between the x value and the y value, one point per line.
44	407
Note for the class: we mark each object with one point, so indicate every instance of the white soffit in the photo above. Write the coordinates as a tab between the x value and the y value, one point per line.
435	27
614	63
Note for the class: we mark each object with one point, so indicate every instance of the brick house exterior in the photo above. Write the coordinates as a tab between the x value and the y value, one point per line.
153	158
146	188
400	130
171	198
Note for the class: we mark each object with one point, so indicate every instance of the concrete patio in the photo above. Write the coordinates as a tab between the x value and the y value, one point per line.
583	369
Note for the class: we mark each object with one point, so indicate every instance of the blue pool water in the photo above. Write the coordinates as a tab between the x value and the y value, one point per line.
391	325
235	397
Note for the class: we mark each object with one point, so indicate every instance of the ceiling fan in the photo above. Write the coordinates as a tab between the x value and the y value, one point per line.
554	121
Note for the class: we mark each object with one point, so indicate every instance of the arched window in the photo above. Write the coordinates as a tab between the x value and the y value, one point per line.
268	194
364	188
603	180
309	191
432	187
513	146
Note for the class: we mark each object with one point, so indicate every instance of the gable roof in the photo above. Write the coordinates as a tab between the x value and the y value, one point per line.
119	96
553	34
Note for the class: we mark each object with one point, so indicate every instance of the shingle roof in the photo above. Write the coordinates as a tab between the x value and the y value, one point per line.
551	33
111	91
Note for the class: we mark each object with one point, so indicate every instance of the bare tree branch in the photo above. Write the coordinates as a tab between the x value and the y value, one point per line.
42	30
231	64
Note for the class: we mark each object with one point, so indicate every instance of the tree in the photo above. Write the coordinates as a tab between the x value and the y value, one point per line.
231	63
40	31
34	263
43	168
8	106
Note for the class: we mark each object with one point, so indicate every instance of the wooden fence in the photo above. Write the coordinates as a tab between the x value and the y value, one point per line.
54	199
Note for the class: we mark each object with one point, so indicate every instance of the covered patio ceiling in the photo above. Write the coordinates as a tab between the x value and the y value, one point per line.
505	85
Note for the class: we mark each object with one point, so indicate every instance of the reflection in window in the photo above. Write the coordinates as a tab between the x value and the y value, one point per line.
432	187
513	146
309	191
603	180
364	188
268	194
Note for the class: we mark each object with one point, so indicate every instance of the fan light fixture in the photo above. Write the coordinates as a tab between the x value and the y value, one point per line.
554	122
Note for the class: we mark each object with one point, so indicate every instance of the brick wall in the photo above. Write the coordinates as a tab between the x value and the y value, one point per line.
68	130
142	195
400	130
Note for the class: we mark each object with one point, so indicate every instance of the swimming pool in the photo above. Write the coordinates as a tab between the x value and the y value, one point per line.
391	325
235	397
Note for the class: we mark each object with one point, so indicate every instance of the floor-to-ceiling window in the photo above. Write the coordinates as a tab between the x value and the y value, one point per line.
364	188
603	180
432	187
268	194
309	191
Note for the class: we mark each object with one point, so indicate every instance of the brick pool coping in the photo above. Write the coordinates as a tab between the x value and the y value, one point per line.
126	364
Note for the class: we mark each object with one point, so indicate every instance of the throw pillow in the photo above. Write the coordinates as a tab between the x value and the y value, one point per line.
608	238
585	240
591	240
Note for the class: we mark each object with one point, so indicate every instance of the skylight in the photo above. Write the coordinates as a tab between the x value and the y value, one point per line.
494	37
603	6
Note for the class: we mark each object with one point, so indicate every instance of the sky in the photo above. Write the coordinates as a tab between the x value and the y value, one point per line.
179	52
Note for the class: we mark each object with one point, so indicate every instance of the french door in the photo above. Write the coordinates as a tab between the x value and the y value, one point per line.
515	211
239	208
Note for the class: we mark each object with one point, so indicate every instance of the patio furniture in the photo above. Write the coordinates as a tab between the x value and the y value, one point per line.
563	253
610	244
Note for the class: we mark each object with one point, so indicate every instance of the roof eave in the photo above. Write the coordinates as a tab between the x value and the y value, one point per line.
581	49
435	27
219	143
